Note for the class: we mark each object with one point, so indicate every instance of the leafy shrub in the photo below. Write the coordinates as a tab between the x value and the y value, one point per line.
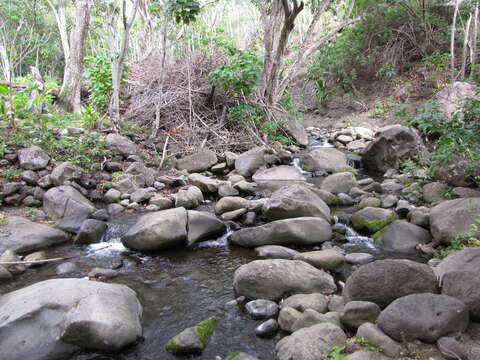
240	76
243	113
184	11
457	136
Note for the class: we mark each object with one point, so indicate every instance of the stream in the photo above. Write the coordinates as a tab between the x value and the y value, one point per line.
177	288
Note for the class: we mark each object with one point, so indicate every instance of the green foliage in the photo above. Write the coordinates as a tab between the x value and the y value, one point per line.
336	354
273	130
210	40
99	78
184	11
438	61
240	76
10	173
367	346
291	105
456	137
387	71
243	114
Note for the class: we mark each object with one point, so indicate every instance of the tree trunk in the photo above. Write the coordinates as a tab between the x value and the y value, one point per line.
71	88
452	39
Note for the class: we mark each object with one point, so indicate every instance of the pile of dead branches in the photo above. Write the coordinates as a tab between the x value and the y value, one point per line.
189	114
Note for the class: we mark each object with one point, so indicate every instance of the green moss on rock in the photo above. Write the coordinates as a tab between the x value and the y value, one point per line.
233	355
346	169
372	226
205	329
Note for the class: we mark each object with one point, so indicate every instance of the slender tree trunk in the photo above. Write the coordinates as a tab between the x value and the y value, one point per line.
473	39
59	13
72	86
117	54
465	47
452	39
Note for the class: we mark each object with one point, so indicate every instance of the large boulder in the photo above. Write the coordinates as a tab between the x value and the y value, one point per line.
453	218
371	219
324	159
230	203
310	343
383	281
425	317
33	158
121	144
275	252
392	145
202	226
198	162
204	183
339	183
247	163
68	206
22	235
295	201
302	302
402	237
459	172
328	259
465	286
65	172
275	177
452	97
296	231
464	260
158	231
274	279
61	316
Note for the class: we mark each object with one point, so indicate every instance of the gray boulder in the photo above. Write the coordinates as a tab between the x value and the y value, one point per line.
261	309
311	343
121	144
435	192
311	317
267	328
465	286
65	172
198	162
376	337
275	252
302	302
297	231
464	260
240	355
158	231
383	281
275	177
230	203
340	182
367	355
22	235
193	340
356	313
188	198
202	226
273	279
453	218
392	145
328	259
372	219
425	317
452	97
295	201
90	232
142	195
324	159
33	158
247	163
70	314
287	317
402	237
67	204
204	183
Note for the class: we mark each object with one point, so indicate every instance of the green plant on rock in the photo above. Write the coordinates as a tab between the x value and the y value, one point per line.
336	354
205	329
367	346
11	173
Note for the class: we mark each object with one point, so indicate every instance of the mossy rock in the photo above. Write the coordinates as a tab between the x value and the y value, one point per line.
192	340
372	220
346	169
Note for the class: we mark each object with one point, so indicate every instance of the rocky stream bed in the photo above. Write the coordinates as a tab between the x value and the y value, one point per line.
345	243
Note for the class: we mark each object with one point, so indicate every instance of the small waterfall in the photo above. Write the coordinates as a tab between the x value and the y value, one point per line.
111	241
220	242
296	165
353	237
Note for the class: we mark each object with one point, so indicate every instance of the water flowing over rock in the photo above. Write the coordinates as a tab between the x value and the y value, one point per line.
298	231
198	162
295	201
60	316
22	235
392	145
311	343
273	279
426	317
383	281
453	218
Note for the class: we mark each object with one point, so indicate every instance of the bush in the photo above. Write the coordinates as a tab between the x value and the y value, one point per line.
240	76
454	137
